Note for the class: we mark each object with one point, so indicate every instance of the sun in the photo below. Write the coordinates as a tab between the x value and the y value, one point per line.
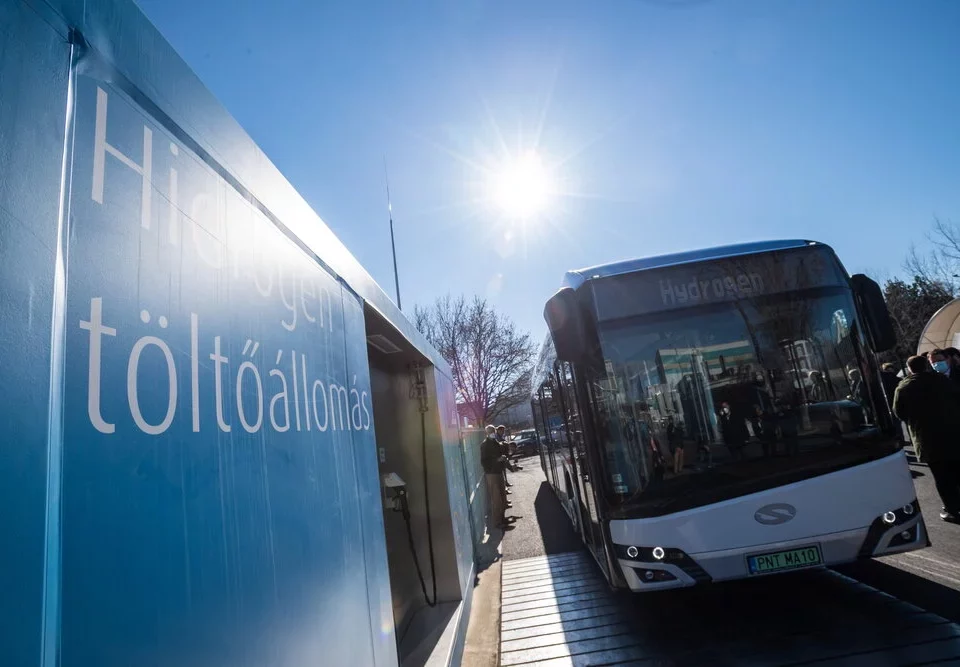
522	187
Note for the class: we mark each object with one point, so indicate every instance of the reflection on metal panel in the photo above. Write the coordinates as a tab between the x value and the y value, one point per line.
118	31
213	496
578	277
368	493
475	487
455	462
220	490
34	62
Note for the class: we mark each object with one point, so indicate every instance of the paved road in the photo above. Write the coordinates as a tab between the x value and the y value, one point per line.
901	616
929	578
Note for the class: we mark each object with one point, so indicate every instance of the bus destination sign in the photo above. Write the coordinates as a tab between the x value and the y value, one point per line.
716	281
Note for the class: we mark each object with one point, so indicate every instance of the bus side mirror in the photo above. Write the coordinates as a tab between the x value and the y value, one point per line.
565	321
879	326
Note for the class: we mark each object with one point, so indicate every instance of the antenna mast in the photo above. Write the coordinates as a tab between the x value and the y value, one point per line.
393	245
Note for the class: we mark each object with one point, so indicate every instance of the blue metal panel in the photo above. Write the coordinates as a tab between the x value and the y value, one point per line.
219	501
368	488
34	64
118	31
215	510
576	278
456	481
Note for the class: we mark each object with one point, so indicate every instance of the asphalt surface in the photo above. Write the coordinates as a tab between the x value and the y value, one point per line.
542	527
558	611
929	579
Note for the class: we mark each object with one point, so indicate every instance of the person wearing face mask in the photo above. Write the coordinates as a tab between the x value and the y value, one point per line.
930	405
952	356
938	359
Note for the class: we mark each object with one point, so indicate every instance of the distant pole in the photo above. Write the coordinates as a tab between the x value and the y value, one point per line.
393	245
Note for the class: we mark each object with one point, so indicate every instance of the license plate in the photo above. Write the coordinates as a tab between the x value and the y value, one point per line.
779	561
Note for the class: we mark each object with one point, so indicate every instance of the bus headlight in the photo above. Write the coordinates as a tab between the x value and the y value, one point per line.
659	553
633	552
889	518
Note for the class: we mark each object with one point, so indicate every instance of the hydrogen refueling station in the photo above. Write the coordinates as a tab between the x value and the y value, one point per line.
223	444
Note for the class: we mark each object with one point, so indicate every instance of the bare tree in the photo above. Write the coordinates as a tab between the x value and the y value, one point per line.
489	356
942	264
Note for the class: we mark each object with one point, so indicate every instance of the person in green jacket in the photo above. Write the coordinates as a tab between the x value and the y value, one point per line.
930	405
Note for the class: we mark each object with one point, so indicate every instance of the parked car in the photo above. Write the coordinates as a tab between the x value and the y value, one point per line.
526	443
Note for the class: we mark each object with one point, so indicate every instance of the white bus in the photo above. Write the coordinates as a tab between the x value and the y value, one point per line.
718	414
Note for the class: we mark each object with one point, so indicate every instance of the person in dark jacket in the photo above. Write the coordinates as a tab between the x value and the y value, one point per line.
952	355
930	404
493	465
733	427
889	380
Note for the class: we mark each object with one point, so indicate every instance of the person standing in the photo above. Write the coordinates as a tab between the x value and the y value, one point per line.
492	461
675	440
952	356
733	427
889	380
504	451
930	405
856	385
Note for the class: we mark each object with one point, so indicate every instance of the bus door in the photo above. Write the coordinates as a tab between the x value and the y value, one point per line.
541	421
590	526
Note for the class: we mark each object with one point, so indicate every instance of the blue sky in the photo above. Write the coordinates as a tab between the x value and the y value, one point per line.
666	124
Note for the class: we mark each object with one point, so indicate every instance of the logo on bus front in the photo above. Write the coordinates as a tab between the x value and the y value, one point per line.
775	514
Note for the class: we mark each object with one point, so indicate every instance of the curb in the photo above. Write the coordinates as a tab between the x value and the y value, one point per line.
482	646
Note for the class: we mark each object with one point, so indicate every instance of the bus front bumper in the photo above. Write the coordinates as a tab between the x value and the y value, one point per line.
676	569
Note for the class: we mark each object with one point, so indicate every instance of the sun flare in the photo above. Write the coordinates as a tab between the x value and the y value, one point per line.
522	186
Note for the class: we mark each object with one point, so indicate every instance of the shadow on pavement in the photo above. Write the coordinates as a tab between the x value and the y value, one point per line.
556	530
488	551
925	593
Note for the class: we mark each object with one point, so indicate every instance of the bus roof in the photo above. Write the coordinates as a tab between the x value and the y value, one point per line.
578	277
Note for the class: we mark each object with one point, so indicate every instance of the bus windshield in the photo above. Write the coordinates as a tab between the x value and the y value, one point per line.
702	404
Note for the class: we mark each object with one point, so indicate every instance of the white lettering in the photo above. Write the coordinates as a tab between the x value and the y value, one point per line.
195	373
247	426
366	412
100	150
339	403
296	389
356	419
277	397
97	329
132	391
218	362
290	305
174	222
205	213
312	294
306	399
323	400
666	292
680	291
